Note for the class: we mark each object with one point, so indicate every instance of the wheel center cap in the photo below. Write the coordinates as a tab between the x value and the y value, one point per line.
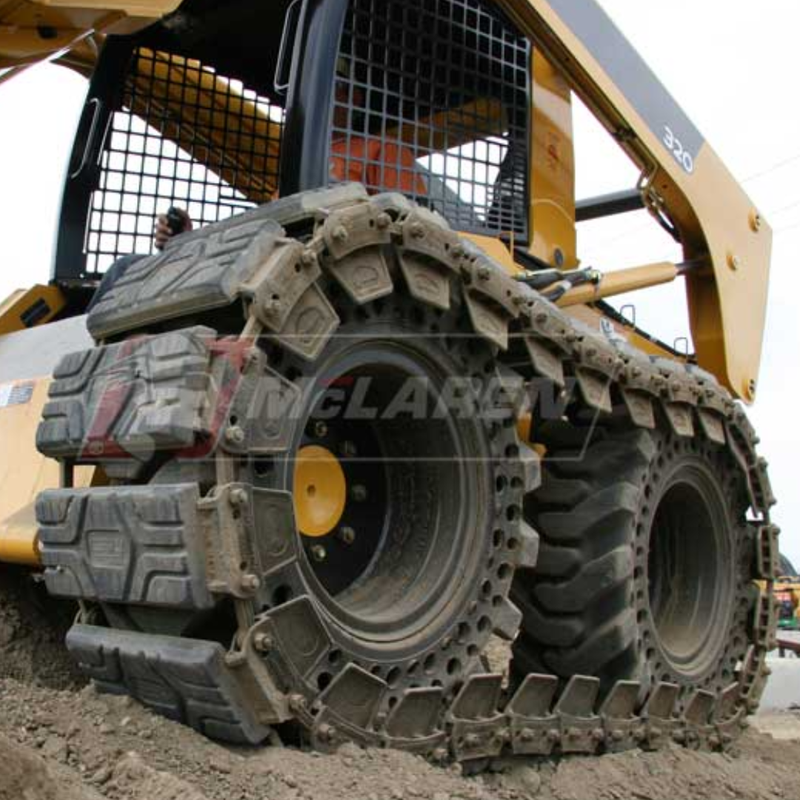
320	490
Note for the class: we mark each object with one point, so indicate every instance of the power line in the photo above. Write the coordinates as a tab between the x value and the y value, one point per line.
780	210
787	227
773	168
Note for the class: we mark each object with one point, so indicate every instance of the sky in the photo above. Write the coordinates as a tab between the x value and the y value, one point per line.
729	63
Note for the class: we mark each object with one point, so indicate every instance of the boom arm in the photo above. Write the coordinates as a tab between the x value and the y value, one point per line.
32	31
682	176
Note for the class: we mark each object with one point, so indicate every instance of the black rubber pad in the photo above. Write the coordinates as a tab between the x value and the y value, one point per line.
126	544
130	399
184	679
205	268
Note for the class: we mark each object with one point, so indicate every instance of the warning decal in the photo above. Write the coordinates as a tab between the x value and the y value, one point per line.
16	394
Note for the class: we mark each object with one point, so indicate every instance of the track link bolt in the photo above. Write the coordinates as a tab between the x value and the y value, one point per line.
346	534
319	553
553	735
262	642
484	273
417	230
326	733
234	434
383	221
472	740
234	659
250	582
309	258
439	755
679	737
340	234
297	703
272	306
714	741
359	493
457	250
617	735
527	735
598	734
237	497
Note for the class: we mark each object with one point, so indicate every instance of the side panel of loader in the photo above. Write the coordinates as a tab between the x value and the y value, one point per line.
27	359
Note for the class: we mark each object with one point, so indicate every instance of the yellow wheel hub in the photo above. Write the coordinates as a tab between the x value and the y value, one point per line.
320	490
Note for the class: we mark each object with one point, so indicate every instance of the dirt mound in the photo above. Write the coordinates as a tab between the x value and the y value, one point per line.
32	631
26	775
103	746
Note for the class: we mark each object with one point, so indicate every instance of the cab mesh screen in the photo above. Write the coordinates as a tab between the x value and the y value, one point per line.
431	100
184	136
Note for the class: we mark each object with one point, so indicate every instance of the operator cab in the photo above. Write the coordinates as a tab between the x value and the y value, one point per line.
218	110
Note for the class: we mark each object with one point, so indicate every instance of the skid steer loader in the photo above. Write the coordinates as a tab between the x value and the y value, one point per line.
299	467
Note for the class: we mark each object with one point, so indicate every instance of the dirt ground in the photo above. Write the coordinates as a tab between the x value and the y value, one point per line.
60	740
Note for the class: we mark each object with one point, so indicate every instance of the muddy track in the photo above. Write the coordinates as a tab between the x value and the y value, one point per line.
284	287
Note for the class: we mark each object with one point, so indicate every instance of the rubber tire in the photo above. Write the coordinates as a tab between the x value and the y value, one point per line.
588	609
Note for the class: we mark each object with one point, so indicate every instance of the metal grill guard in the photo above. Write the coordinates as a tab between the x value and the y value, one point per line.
431	100
184	136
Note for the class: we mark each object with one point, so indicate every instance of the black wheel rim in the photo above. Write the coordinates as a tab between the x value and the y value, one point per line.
415	460
690	582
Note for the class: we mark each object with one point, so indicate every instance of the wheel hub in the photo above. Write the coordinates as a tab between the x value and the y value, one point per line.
320	491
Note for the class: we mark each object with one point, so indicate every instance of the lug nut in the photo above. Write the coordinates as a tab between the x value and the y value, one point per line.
359	493
347	534
348	449
262	642
319	553
319	429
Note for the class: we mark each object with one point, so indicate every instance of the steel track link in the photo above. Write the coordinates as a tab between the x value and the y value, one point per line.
544	715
